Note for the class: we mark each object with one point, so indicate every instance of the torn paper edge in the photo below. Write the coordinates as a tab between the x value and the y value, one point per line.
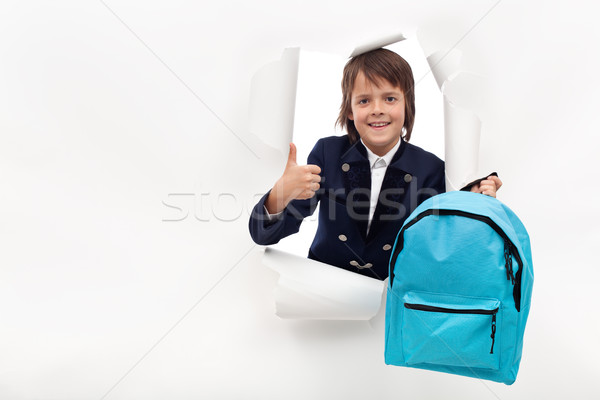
444	64
462	125
378	43
273	100
462	129
308	289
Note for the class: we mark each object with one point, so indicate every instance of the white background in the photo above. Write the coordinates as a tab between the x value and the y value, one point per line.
127	172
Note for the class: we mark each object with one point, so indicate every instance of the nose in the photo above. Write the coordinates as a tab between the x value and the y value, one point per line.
376	108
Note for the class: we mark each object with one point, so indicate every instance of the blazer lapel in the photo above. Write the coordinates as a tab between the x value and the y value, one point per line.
356	170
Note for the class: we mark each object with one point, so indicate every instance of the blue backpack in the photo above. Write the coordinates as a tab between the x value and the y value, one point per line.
460	286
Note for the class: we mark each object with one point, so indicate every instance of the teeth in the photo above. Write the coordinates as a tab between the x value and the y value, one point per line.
378	124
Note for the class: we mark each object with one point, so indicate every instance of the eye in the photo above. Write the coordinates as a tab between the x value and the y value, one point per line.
363	101
390	99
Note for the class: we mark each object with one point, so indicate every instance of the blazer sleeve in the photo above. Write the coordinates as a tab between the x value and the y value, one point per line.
265	231
435	182
438	181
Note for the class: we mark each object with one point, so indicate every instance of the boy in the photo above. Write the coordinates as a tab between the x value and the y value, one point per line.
367	182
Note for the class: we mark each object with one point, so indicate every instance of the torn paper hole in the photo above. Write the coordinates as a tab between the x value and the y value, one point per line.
272	101
308	289
311	290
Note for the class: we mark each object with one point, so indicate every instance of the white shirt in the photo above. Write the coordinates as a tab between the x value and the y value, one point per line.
378	167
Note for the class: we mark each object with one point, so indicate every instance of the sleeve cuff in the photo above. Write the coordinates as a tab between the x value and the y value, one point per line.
273	217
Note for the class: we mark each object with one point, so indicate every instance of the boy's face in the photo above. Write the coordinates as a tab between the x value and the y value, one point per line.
378	113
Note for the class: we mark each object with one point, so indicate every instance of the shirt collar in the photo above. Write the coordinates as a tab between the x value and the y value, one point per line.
387	157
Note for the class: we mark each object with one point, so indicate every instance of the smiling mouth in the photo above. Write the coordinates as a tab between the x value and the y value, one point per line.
378	124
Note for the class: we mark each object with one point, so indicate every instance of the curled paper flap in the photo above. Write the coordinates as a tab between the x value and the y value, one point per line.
273	100
462	92
444	64
378	321
466	90
378	43
309	289
462	129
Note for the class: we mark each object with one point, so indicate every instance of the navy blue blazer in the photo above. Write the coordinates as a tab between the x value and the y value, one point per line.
341	239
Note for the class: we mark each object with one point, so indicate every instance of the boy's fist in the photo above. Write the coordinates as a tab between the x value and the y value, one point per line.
488	186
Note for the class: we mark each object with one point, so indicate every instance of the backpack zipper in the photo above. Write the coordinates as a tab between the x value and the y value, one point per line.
510	250
508	262
493	335
423	307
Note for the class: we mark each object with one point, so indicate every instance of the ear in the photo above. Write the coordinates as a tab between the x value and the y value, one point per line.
350	116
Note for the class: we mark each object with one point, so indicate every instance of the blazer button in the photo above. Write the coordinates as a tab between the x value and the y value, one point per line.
387	247
345	167
342	238
407	178
354	263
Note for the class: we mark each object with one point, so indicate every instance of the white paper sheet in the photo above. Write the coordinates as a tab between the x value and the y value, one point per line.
377	43
308	289
273	100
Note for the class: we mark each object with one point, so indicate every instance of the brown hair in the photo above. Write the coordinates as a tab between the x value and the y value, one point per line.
376	65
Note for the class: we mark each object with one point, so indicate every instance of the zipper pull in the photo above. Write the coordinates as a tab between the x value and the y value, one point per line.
493	335
508	262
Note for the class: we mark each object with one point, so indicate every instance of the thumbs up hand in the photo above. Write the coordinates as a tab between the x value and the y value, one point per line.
298	182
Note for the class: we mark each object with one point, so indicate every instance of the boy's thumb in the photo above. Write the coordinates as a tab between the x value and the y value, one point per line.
292	155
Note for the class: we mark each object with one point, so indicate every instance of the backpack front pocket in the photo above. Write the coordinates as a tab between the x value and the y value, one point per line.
451	330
